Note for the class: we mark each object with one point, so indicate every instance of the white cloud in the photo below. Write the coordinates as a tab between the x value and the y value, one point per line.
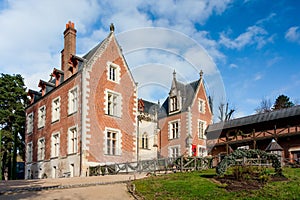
31	36
293	34
254	35
273	61
233	66
258	77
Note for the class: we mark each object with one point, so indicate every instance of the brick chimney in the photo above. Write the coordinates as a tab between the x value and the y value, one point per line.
69	48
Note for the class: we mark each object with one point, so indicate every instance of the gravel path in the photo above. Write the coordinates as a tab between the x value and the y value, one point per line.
97	187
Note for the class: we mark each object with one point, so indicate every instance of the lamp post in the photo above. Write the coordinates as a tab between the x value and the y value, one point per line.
138	139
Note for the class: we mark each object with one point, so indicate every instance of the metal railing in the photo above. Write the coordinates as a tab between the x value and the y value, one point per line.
152	166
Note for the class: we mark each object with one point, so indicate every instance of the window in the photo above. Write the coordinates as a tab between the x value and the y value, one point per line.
41	116
201	129
145	141
113	71
73	99
56	109
113	142
72	144
41	149
55	145
174	151
29	123
174	104
113	107
174	130
29	152
201	106
202	151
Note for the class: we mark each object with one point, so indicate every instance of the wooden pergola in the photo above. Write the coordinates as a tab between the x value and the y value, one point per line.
251	129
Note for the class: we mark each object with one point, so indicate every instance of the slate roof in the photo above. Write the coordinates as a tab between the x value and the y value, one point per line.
90	54
273	146
150	107
280	117
187	94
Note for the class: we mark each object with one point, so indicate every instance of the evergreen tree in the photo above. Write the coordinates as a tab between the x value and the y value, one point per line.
13	100
282	101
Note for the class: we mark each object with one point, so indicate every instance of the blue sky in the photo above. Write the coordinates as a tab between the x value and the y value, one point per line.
248	47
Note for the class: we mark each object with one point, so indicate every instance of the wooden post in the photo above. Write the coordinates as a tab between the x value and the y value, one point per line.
181	163
227	146
254	139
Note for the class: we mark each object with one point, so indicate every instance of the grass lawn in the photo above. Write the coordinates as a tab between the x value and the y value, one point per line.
196	185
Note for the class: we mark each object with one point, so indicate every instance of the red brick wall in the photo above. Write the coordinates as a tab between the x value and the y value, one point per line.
60	126
195	115
98	119
207	116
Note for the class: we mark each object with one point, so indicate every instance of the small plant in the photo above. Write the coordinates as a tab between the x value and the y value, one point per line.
223	185
238	172
103	171
264	178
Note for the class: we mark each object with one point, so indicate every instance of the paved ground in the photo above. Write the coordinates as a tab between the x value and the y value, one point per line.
97	187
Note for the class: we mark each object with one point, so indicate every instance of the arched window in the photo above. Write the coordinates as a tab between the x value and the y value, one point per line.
145	141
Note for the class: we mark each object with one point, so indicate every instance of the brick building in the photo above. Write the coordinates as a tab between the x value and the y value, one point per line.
84	115
88	113
183	118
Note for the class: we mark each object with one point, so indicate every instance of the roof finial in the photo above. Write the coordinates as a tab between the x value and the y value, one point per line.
112	27
201	74
174	74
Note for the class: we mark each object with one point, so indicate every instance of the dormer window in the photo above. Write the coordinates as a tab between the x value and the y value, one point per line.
173	104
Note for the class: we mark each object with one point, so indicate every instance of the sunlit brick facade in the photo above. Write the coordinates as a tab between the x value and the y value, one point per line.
84	115
89	114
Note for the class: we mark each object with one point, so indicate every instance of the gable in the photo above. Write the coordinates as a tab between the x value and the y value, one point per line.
200	93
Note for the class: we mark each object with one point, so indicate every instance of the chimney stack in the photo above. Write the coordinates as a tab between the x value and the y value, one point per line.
69	48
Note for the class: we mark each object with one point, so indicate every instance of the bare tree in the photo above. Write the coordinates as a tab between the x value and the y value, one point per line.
265	106
225	113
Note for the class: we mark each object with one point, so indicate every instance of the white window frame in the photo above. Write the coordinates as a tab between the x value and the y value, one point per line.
171	129
117	72
72	140
108	147
172	149
201	105
201	130
42	116
145	141
73	100
29	153
56	109
30	118
174	104
55	145
203	151
113	108
41	149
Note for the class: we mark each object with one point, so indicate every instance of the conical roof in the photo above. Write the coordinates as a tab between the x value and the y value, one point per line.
274	146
